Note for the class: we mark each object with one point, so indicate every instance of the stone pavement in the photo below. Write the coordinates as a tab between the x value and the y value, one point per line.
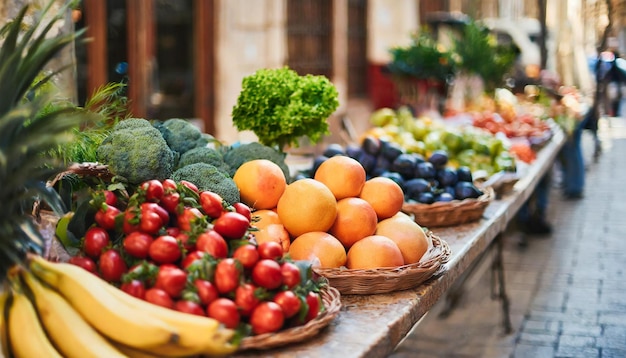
567	291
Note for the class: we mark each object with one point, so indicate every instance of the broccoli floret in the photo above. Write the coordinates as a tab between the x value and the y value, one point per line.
137	153
132	123
208	177
235	156
181	135
204	155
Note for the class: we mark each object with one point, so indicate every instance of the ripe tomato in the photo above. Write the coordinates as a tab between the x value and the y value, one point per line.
289	302
183	239
96	239
243	209
314	302
111	265
231	225
227	275
291	274
171	279
270	250
105	218
189	307
190	185
137	244
154	190
131	219
191	257
172	231
170	201
84	262
159	297
247	255
225	311
134	288
164	250
212	243
187	217
161	211
266	273
110	198
246	299
267	317
212	204
150	222
206	291
169	185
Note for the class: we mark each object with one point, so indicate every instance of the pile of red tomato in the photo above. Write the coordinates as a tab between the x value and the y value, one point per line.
524	125
172	245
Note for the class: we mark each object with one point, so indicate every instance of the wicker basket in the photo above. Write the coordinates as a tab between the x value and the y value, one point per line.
390	279
332	303
451	213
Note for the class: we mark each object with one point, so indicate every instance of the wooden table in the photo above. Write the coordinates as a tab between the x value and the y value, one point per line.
373	325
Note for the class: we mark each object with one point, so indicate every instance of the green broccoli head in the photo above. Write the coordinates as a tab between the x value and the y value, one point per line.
209	177
181	135
132	123
204	155
237	155
137	153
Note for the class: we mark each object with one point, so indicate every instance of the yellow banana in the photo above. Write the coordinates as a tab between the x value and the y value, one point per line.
88	294
71	334
27	336
135	353
4	338
197	335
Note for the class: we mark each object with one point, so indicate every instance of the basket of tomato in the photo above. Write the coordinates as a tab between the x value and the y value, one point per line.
173	245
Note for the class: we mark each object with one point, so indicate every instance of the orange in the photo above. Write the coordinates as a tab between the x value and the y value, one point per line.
355	220
343	175
261	183
306	205
384	195
407	234
273	232
318	246
263	218
374	251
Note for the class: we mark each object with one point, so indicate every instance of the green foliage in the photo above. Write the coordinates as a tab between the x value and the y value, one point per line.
181	135
204	155
479	54
136	151
281	107
423	59
208	177
235	156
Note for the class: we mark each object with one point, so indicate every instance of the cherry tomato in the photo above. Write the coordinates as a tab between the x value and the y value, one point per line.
169	185
184	240
247	254
189	307
154	190
110	198
171	279
150	222
266	273
170	201
243	209
190	185
105	218
172	231
206	291
291	274
245	299
231	225
187	217
314	303
191	257
267	317
289	302
134	288
212	243
137	244
84	262
270	250
225	311
159	297
111	265
96	240
164	250
227	275
131	219
212	204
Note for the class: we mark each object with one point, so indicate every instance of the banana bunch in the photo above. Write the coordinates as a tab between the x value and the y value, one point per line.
62	310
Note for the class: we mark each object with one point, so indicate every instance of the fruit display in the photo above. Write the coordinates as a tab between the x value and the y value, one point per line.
188	250
464	144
